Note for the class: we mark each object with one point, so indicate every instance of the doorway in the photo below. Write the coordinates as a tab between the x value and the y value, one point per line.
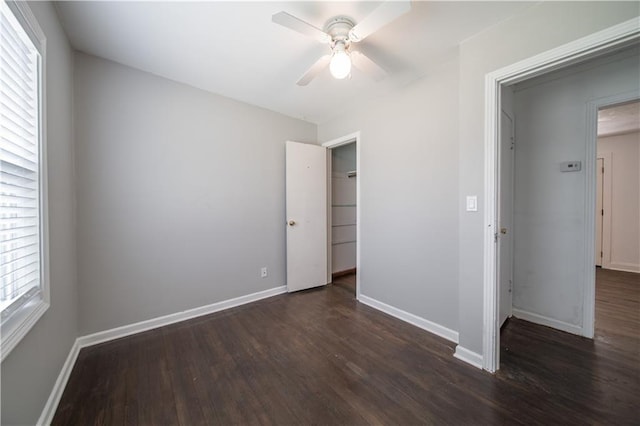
617	224
565	56
618	187
309	210
343	178
343	212
552	181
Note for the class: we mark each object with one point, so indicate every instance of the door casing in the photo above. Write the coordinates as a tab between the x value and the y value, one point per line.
599	210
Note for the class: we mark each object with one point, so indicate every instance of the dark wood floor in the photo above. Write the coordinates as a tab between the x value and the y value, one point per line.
347	282
320	357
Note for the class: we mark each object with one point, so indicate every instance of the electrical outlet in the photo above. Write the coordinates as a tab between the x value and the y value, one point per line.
263	272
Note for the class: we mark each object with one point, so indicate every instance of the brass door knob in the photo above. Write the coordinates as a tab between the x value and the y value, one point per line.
292	222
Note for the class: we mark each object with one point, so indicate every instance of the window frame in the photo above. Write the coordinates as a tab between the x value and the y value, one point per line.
23	320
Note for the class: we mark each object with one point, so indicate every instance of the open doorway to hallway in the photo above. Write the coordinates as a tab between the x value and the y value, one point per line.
617	300
554	248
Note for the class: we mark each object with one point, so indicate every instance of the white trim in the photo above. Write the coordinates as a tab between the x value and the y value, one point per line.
139	327
345	140
624	267
58	388
490	326
470	357
570	53
620	133
549	322
26	17
29	317
560	57
606	206
25	318
420	322
115	333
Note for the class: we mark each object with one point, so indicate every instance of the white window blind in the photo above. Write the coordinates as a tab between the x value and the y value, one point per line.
20	142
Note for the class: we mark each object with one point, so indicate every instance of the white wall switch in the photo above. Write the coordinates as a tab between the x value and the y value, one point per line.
472	203
263	272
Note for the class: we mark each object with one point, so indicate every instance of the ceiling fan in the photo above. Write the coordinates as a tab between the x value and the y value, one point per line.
340	33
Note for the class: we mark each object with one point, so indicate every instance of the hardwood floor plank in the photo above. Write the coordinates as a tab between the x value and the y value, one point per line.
320	357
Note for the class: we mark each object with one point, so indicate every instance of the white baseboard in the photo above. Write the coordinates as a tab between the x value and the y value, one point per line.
549	322
624	267
46	417
470	357
139	327
104	336
424	324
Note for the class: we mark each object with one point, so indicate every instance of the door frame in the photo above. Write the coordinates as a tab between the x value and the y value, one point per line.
344	140
605	164
563	56
606	205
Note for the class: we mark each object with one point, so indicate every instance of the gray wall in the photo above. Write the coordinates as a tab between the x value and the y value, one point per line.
542	27
180	195
416	139
549	207
343	158
31	369
408	180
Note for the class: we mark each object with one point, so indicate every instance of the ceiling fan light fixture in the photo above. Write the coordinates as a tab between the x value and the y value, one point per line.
340	65
340	32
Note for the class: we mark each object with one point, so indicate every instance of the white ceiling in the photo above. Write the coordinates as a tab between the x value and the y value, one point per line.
233	49
619	119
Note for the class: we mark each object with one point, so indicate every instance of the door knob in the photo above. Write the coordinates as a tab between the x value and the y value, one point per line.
503	231
292	222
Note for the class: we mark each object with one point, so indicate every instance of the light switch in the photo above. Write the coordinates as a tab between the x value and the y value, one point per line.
472	203
571	166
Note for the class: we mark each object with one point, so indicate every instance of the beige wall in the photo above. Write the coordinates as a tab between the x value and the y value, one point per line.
623	187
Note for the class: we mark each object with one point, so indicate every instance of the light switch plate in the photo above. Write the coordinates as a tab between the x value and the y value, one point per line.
571	166
472	203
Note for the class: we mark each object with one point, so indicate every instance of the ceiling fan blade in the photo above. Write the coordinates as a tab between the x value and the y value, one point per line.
366	65
381	16
315	69
287	20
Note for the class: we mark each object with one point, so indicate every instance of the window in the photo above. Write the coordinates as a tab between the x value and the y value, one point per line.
23	242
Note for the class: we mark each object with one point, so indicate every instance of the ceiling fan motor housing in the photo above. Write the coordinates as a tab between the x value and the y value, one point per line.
338	28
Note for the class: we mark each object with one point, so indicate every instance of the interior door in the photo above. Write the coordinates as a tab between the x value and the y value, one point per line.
505	240
599	209
306	210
